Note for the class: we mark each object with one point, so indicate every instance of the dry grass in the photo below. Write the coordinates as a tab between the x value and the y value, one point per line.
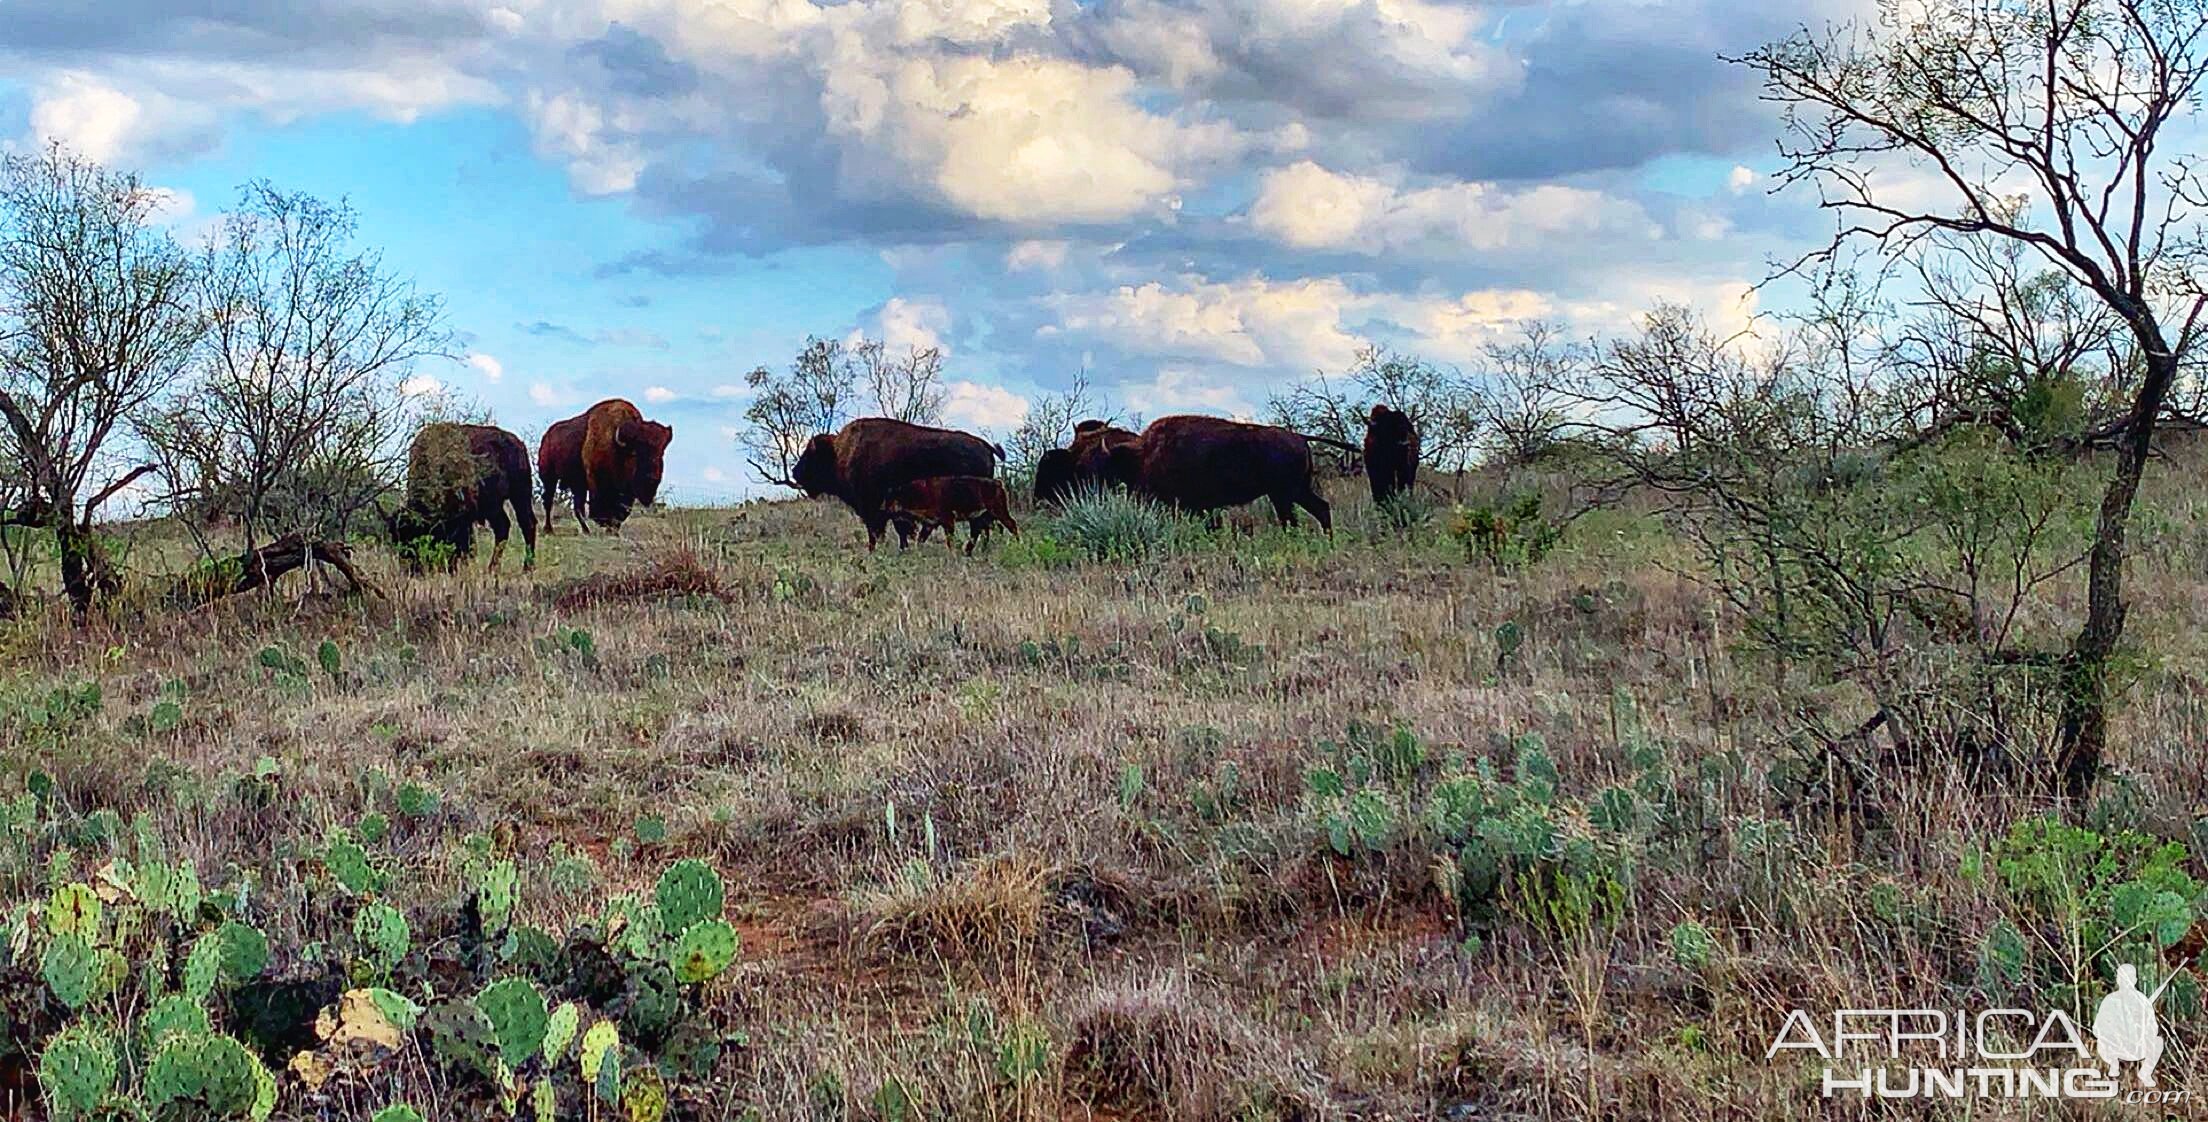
1102	830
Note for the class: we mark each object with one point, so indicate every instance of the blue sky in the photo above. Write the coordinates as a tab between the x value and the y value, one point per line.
1194	201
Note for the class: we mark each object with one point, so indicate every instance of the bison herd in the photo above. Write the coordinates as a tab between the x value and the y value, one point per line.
918	479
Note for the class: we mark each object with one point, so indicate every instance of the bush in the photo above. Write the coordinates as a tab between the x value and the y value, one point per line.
1111	525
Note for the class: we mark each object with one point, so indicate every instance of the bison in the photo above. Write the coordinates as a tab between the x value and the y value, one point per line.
1391	452
944	501
1204	464
458	475
1061	472
560	468
870	457
623	457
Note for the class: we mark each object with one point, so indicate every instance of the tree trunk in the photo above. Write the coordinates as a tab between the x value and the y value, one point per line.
82	575
2083	731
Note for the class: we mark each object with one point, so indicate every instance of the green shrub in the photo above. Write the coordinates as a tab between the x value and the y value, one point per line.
1112	525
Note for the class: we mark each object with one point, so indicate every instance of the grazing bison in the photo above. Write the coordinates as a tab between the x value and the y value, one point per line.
944	501
1207	463
560	468
458	475
873	456
624	457
1061	472
1391	452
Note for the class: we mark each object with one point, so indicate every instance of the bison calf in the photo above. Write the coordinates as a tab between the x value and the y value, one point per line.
944	501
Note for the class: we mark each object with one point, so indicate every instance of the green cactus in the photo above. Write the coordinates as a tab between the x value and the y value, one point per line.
559	1031
383	933
417	801
213	1071
244	951
704	950
495	892
373	828
544	1100
655	1003
76	1071
332	660
349	863
600	1042
689	891
1692	945
644	1098
397	1008
74	910
397	1112
170	1015
462	1037
72	969
203	966
518	1017
189	896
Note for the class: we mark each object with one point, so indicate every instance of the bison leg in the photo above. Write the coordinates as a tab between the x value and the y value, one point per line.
1284	508
582	522
526	514
1319	509
499	528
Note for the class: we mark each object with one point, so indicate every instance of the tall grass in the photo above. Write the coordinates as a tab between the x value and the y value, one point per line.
1112	525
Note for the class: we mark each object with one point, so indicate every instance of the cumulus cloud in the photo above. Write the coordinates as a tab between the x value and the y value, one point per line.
659	395
915	324
420	385
1251	322
1044	255
87	115
1310	207
490	368
546	395
1179	389
976	405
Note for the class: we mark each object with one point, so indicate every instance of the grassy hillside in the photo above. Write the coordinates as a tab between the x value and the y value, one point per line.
1270	826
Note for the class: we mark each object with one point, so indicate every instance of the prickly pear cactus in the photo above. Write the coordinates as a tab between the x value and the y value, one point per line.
397	1112
704	950
72	969
350	865
171	1015
462	1037
210	1071
203	967
496	893
518	1018
76	1071
559	1031
74	910
383	934
689	891
244	951
655	1003
601	1041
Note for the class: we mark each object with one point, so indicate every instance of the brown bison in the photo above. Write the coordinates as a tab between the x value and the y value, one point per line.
1061	472
1391	452
624	457
874	456
1204	464
944	501
560	468
458	475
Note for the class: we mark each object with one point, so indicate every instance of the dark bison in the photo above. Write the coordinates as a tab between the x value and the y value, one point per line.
624	457
1208	463
1061	472
1391	452
459	475
944	501
560	468
873	456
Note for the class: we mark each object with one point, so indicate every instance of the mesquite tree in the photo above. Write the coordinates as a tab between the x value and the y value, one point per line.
97	321
2047	123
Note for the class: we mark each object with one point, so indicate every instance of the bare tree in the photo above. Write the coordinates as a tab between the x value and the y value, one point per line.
96	323
2041	122
297	420
1524	408
1049	424
1441	402
824	385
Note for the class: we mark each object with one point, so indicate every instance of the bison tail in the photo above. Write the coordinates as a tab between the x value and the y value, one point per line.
1328	440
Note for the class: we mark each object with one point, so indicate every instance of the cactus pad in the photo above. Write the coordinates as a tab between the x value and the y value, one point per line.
72	969
244	951
77	1070
74	910
704	950
517	1014
213	1071
383	934
462	1037
171	1015
559	1031
689	891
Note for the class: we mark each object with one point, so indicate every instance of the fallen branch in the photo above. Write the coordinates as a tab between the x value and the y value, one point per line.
261	567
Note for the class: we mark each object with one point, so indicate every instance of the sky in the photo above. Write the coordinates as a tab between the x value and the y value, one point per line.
1190	203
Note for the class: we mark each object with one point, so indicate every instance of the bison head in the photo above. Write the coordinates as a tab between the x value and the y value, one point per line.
1393	425
646	442
815	470
427	540
1123	464
1054	476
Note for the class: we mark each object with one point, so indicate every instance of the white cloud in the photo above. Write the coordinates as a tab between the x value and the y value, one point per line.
600	160
420	385
1253	322
1181	390
1310	207
87	115
914	324
1021	139
659	395
547	395
713	474
967	22
978	406
490	368
1035	255
1460	329
1742	178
